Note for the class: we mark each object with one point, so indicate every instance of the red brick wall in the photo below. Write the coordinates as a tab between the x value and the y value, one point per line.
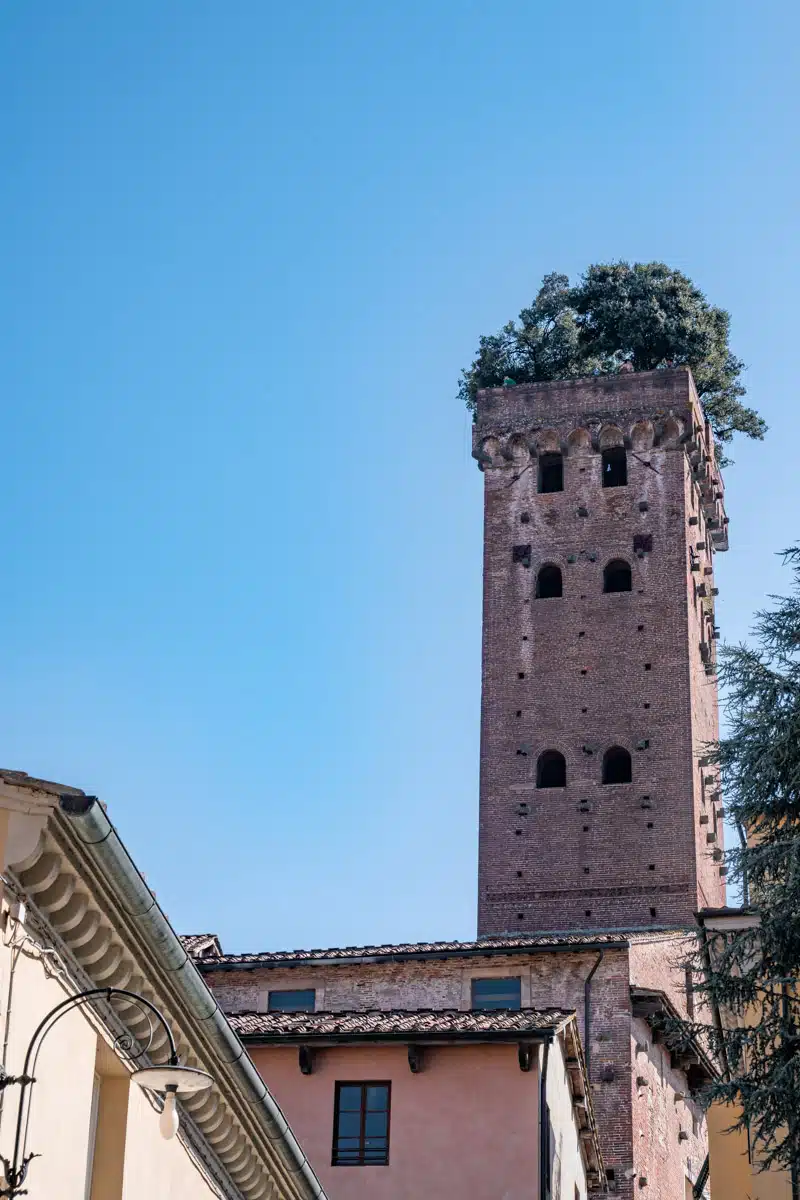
572	674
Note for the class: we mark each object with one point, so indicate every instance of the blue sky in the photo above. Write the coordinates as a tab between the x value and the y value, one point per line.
247	249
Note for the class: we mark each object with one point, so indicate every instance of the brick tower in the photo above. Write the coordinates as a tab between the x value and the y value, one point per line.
603	509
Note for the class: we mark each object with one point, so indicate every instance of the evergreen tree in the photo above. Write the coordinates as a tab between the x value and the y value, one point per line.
752	975
647	314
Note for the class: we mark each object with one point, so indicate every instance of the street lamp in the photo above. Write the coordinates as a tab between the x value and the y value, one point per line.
168	1080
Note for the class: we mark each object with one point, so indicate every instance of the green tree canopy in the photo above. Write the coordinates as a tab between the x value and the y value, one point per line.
646	314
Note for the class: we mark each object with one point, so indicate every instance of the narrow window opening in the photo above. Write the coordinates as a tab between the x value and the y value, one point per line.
648	666
520	674
586	829
617	576
551	473
519	874
615	467
587	912
519	712
548	583
519	916
617	766
551	770
640	628
584	710
649	824
653	912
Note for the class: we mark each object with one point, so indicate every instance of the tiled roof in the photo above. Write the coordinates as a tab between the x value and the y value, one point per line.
491	945
399	1023
201	945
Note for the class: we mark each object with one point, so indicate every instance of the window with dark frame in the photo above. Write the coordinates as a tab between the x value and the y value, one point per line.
361	1124
497	992
292	1000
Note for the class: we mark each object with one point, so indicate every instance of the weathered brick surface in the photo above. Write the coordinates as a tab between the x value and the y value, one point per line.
589	670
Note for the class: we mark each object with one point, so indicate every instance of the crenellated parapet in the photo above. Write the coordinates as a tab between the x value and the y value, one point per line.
639	412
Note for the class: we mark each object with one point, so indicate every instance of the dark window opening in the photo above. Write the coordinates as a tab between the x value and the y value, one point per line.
361	1124
551	770
652	912
548	583
617	576
522	554
292	1000
587	912
615	467
643	542
551	473
497	993
617	766
651	866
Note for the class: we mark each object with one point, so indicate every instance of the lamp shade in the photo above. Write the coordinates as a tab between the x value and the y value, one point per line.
173	1079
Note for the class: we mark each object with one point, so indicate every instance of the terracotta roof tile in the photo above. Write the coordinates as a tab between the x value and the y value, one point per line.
201	945
399	1023
519	942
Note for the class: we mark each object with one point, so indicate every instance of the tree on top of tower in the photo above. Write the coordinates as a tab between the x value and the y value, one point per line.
620	315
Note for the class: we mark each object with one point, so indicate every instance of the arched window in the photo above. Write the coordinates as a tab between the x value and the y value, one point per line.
615	467
617	766
548	582
551	473
617	576
551	770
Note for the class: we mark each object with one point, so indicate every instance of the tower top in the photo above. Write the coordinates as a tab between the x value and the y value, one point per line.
640	410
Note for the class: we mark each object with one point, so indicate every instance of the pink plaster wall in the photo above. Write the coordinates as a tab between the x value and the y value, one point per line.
467	1125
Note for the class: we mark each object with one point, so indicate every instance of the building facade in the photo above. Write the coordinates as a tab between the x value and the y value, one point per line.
76	916
619	987
483	1090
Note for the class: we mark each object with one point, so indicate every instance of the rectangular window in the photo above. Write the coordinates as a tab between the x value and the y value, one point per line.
361	1124
286	1000
497	993
551	473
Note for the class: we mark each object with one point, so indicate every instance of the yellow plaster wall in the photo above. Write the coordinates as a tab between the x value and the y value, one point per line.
732	1175
155	1169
